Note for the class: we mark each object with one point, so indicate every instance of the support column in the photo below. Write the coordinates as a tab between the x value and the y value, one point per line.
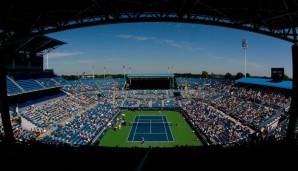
294	102
4	110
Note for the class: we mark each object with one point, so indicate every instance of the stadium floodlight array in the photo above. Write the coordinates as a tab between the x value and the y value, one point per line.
244	46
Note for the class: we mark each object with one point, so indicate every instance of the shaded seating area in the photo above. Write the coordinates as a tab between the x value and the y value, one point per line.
12	88
16	87
82	129
30	85
53	111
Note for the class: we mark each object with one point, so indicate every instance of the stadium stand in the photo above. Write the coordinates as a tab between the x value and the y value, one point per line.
83	128
1	129
223	111
20	132
60	80
12	87
53	111
170	103
16	87
157	103
48	82
219	128
39	100
104	83
30	85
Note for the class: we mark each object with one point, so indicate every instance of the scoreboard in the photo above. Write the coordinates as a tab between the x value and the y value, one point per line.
277	74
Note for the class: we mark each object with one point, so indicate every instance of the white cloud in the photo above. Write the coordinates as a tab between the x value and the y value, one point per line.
219	57
134	37
172	43
178	44
60	54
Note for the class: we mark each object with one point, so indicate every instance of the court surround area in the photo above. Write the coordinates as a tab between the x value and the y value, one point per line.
150	129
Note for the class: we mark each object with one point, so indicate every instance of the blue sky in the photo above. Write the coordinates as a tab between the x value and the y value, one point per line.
153	47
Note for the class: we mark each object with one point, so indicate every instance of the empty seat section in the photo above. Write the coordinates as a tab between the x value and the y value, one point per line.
12	88
29	85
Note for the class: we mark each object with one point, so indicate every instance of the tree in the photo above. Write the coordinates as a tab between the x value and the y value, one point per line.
204	74
228	76
248	75
70	77
285	77
239	75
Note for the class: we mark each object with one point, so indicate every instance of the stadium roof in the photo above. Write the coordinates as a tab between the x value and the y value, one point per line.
35	44
266	82
274	18
150	75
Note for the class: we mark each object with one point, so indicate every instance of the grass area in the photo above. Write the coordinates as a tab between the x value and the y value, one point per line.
182	133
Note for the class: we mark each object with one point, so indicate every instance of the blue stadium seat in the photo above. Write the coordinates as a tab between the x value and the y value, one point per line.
12	88
48	82
29	85
60	80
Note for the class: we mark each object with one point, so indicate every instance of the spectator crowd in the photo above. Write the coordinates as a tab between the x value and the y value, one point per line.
223	112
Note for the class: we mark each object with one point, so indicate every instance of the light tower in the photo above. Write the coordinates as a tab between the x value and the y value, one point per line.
244	47
173	69
123	68
129	69
93	72
47	59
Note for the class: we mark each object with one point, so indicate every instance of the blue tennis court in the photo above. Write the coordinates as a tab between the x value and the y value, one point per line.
150	128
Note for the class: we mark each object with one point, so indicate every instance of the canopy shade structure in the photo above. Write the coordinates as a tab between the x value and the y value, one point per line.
274	18
35	44
287	85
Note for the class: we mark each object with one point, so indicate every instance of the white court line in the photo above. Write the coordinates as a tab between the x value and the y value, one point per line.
163	122
162	118
149	134
150	127
149	119
171	132
165	129
134	134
